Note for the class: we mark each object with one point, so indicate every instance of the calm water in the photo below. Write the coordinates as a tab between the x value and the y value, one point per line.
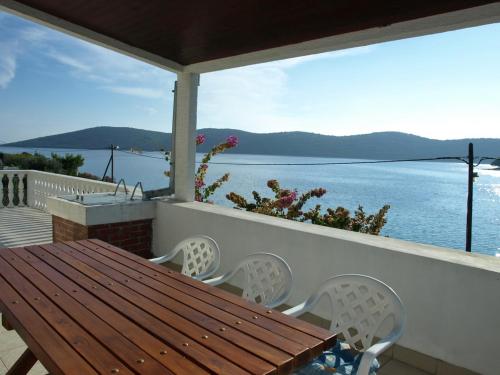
428	200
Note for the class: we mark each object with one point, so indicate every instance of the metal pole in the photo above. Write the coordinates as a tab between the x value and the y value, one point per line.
112	164
468	237
172	142
106	170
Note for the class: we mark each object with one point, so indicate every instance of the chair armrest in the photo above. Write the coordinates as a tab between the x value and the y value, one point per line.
297	310
163	258
217	280
204	275
375	350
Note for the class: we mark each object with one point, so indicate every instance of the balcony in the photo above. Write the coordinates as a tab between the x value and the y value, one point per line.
24	219
451	297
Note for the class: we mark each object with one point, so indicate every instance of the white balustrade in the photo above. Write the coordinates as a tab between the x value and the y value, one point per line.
12	188
31	188
43	184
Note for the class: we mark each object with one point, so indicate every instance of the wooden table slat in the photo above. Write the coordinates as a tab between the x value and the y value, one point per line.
218	342
50	348
110	338
294	323
88	307
153	346
193	306
241	312
88	347
120	297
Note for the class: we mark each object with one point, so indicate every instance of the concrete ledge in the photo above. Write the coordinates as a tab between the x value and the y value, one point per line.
475	260
101	214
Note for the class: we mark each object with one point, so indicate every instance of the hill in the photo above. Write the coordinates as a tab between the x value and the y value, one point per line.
383	145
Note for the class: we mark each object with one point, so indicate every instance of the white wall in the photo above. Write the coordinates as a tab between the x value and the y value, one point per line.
452	298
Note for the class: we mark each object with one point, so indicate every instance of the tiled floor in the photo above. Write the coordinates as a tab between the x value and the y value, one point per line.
21	226
395	367
11	347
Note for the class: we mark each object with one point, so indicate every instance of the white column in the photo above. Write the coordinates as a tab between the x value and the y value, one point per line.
185	134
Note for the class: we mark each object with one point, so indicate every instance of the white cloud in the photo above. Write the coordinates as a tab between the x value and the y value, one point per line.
143	92
150	110
356	51
7	64
34	34
69	61
254	97
83	60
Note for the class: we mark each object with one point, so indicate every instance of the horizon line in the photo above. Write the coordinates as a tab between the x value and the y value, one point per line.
6	144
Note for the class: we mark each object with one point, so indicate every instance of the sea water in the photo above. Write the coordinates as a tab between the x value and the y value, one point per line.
428	199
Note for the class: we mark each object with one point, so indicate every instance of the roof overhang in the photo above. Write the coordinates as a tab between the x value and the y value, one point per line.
202	36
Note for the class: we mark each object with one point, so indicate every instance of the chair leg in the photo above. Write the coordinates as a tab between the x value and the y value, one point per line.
22	366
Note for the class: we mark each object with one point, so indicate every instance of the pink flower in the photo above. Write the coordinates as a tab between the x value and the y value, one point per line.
198	182
200	139
287	200
232	141
204	166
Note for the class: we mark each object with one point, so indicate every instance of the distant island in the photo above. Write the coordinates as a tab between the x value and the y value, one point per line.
382	145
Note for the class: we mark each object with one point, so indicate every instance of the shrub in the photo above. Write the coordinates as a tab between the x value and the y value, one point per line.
67	164
34	161
288	204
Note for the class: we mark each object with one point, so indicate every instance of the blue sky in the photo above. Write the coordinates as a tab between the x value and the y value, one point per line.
440	86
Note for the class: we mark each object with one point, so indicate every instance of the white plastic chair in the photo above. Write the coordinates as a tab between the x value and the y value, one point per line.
201	256
267	279
360	305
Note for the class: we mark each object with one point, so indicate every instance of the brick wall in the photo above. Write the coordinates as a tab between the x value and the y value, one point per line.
133	236
65	230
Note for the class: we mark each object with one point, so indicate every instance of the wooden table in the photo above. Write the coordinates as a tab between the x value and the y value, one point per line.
88	307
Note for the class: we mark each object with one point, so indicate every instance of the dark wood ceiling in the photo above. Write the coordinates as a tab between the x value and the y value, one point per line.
192	31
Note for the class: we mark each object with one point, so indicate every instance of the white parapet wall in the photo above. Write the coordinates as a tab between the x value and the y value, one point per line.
42	185
452	298
39	186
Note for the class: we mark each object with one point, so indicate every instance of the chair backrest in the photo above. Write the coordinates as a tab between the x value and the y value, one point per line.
201	256
360	305
267	279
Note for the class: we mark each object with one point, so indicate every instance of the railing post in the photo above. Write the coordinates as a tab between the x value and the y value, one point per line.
20	189
32	179
10	189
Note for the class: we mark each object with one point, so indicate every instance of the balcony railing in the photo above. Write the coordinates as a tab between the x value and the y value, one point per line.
31	188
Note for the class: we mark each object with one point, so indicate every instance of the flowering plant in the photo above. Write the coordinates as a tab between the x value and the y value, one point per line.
289	205
286	203
201	191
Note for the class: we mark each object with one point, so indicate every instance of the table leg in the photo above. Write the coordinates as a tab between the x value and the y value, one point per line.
6	324
25	362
